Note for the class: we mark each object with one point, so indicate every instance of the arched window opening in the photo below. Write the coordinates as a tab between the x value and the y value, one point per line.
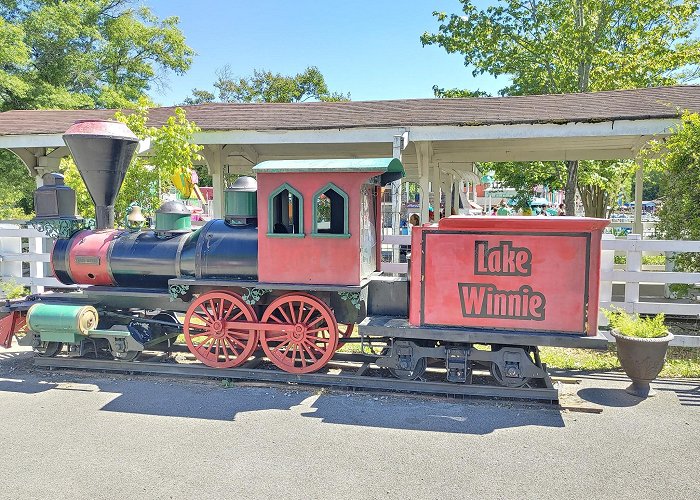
286	212
330	212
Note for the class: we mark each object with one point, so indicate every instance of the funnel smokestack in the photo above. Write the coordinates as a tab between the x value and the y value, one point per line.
102	151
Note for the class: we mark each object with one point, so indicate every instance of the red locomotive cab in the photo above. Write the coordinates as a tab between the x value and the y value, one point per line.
518	273
318	219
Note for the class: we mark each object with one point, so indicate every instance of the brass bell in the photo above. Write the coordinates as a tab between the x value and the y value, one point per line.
134	217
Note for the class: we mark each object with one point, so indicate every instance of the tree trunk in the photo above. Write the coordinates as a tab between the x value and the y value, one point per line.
570	189
595	201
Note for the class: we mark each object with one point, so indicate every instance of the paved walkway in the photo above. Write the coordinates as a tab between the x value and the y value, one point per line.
84	436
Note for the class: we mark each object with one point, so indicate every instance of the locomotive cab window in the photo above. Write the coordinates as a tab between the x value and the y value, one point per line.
330	212
286	213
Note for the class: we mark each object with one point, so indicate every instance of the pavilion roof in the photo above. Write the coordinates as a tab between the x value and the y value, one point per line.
635	104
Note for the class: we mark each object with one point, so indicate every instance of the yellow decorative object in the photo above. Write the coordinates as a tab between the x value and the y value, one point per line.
182	180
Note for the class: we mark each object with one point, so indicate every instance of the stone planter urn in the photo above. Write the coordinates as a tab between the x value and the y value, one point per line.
642	359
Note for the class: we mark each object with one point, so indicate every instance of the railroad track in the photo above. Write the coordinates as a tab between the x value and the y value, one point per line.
348	372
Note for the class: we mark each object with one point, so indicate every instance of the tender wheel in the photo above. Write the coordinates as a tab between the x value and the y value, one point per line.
209	333
48	349
127	356
304	336
497	373
417	372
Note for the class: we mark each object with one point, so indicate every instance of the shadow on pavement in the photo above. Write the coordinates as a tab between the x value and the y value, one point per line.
686	390
204	402
460	417
609	397
24	386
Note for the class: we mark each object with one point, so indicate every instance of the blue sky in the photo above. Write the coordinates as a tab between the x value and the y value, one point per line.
368	48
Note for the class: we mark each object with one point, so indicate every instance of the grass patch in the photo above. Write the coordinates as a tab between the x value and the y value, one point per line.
681	362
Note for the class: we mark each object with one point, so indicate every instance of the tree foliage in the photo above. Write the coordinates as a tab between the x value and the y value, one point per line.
16	189
559	46
556	46
266	86
147	178
525	177
679	218
84	53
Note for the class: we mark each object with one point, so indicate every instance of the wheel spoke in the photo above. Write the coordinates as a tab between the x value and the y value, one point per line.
223	345
215	313
284	315
233	347
309	352
301	308
309	325
312	310
235	340
210	319
291	312
240	313
280	347
318	348
294	353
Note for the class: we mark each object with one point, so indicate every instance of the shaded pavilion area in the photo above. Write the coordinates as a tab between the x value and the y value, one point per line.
438	140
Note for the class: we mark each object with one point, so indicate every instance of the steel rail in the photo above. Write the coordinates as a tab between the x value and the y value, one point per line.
351	381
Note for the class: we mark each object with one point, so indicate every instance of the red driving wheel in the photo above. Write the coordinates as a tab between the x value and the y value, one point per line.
305	333
209	334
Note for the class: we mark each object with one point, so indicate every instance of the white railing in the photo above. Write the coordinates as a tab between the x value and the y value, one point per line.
24	253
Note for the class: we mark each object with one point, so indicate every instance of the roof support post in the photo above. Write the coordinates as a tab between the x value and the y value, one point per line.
435	187
215	155
424	154
638	190
447	181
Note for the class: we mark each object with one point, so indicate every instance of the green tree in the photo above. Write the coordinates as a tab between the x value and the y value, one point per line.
16	189
524	177
679	218
557	46
147	178
600	183
84	53
78	54
266	86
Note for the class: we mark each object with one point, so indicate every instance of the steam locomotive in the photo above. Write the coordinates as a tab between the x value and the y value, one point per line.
294	266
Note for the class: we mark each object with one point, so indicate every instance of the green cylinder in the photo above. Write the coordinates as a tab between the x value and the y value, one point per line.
241	203
53	318
173	216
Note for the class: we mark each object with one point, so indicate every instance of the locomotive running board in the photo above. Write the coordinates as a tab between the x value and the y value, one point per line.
353	381
391	326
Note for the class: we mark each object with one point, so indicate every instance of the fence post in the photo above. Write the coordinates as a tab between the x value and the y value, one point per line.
607	265
669	266
634	265
36	269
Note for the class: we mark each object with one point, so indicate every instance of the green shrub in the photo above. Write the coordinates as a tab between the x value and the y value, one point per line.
11	290
631	325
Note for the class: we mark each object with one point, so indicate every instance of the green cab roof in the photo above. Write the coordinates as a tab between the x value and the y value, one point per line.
381	165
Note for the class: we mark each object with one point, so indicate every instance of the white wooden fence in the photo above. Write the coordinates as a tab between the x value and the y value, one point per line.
24	254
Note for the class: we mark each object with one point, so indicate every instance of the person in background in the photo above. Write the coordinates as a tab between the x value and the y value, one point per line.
502	209
414	220
562	210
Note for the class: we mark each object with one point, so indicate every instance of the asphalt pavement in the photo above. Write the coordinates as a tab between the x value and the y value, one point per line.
94	436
